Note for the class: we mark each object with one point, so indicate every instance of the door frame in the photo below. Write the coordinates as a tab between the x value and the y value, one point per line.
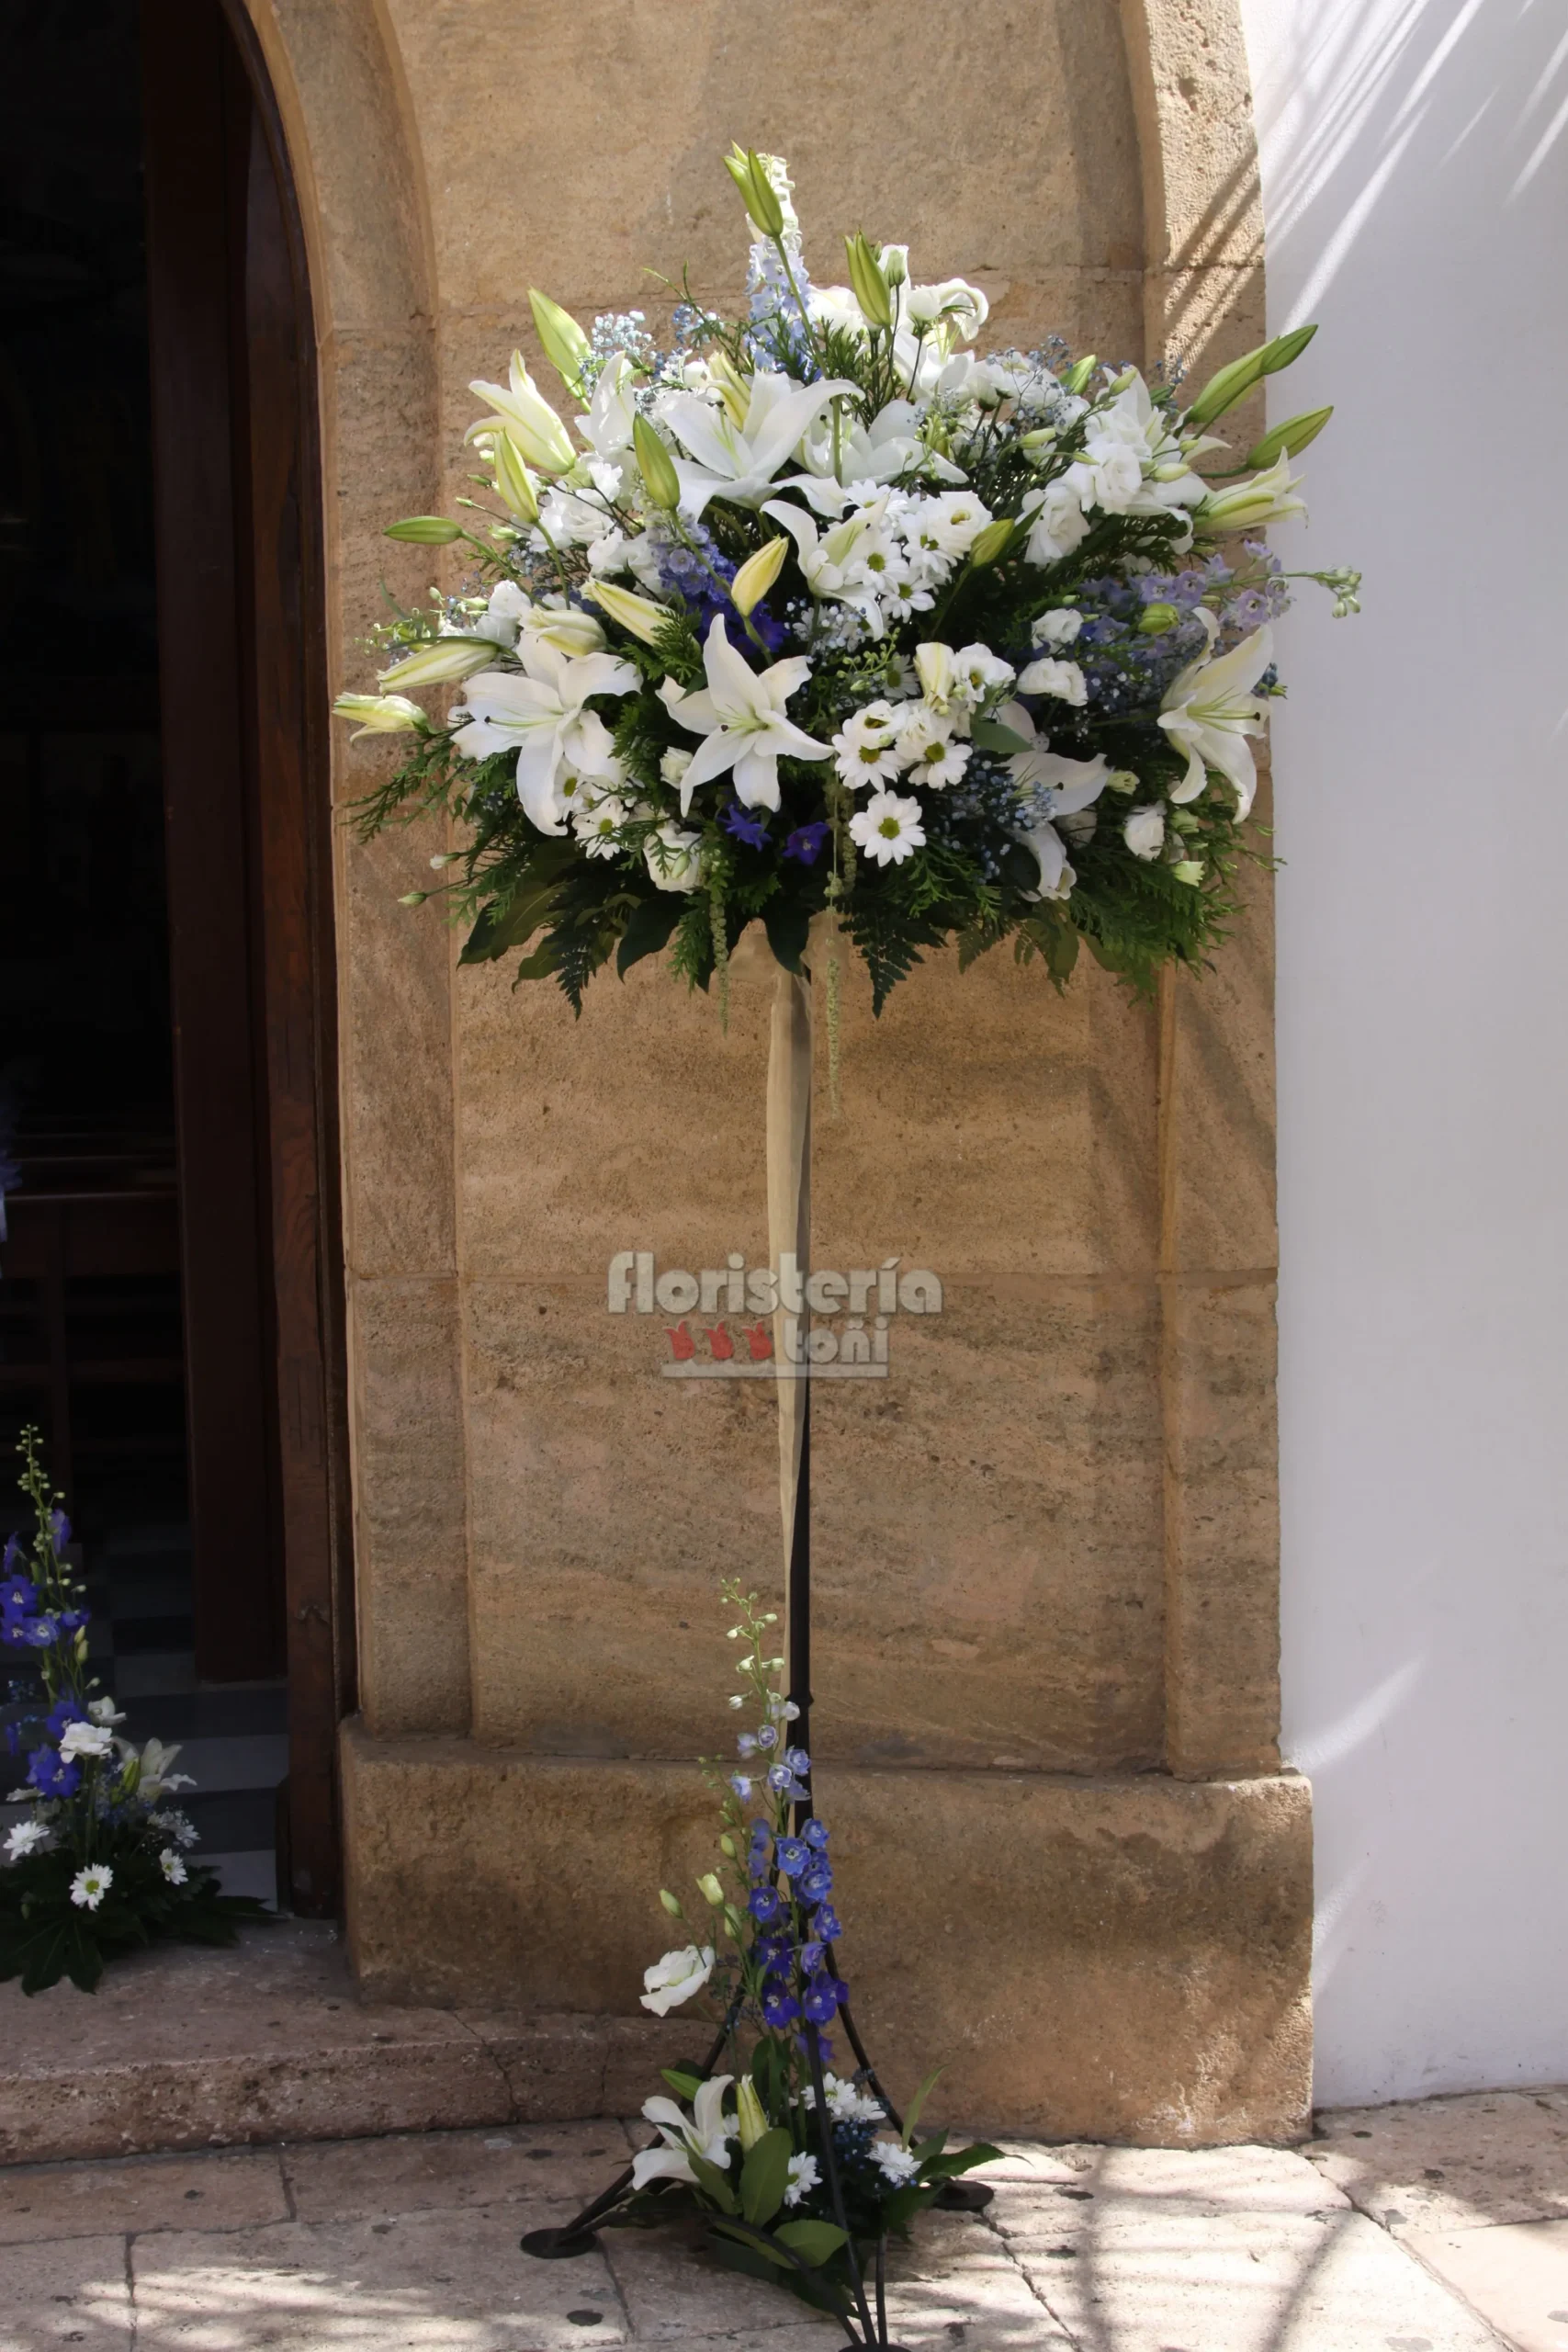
242	650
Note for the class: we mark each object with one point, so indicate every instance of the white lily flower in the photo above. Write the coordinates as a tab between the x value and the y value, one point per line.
378	715
607	427
1249	505
878	452
739	461
1211	709
1071	786
154	1778
827	558
521	408
741	713
541	715
702	2134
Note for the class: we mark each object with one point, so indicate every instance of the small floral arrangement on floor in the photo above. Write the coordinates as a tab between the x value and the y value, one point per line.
100	1866
822	612
801	2174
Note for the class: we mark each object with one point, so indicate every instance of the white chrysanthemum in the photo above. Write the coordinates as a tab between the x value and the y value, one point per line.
598	828
24	1839
866	747
893	2162
804	2176
173	1867
888	829
89	1887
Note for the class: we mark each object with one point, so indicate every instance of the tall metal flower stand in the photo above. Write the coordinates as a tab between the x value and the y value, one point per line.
790	1069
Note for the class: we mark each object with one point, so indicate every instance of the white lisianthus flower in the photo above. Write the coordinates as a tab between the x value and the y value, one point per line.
89	1887
675	1979
674	764
1144	832
888	829
1064	680
980	673
102	1711
702	2134
675	857
1056	629
741	715
173	1867
866	749
24	1838
893	2161
82	1743
1058	525
951	521
542	715
804	2177
1211	709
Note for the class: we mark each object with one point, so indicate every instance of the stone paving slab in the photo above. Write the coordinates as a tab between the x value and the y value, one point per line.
1451	2163
409	2243
1516	2274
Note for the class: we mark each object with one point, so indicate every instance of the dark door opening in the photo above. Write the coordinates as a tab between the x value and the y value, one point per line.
169	1306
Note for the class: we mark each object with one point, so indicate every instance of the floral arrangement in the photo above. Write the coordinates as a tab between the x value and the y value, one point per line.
801	2174
821	611
100	1865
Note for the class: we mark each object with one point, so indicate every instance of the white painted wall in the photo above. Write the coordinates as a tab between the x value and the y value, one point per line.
1416	179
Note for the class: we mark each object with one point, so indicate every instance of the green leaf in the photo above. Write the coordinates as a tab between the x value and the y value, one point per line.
649	928
713	2184
758	2244
991	735
815	2242
786	926
912	2113
499	929
685	2085
764	2177
952	2162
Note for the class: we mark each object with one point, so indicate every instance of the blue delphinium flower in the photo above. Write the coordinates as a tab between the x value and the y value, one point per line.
51	1774
63	1711
792	1855
816	1833
797	1760
820	1999
747	1743
827	1925
804	843
772	1954
763	1903
744	826
742	1783
59	1528
780	2006
768	1737
816	1884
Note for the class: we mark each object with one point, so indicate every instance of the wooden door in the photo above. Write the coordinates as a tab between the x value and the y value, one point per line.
238	503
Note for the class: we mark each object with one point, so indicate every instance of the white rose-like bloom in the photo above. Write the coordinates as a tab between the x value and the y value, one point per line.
980	673
1048	675
81	1742
24	1838
1110	474
1058	526
952	522
675	1978
675	857
1057	629
1144	832
674	764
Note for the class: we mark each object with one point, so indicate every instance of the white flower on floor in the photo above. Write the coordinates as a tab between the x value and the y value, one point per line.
154	1778
173	1867
672	1980
888	828
89	1887
703	2133
894	2163
804	2177
24	1838
175	1826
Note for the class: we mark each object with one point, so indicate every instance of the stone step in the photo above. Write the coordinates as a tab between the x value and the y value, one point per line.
269	2041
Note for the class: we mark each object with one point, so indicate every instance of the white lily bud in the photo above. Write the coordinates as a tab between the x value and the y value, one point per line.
757	575
753	2115
441	663
638	615
381	715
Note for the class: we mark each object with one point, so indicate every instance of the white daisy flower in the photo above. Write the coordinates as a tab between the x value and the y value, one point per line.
893	2162
89	1887
888	828
24	1838
866	747
803	2178
597	828
173	1867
